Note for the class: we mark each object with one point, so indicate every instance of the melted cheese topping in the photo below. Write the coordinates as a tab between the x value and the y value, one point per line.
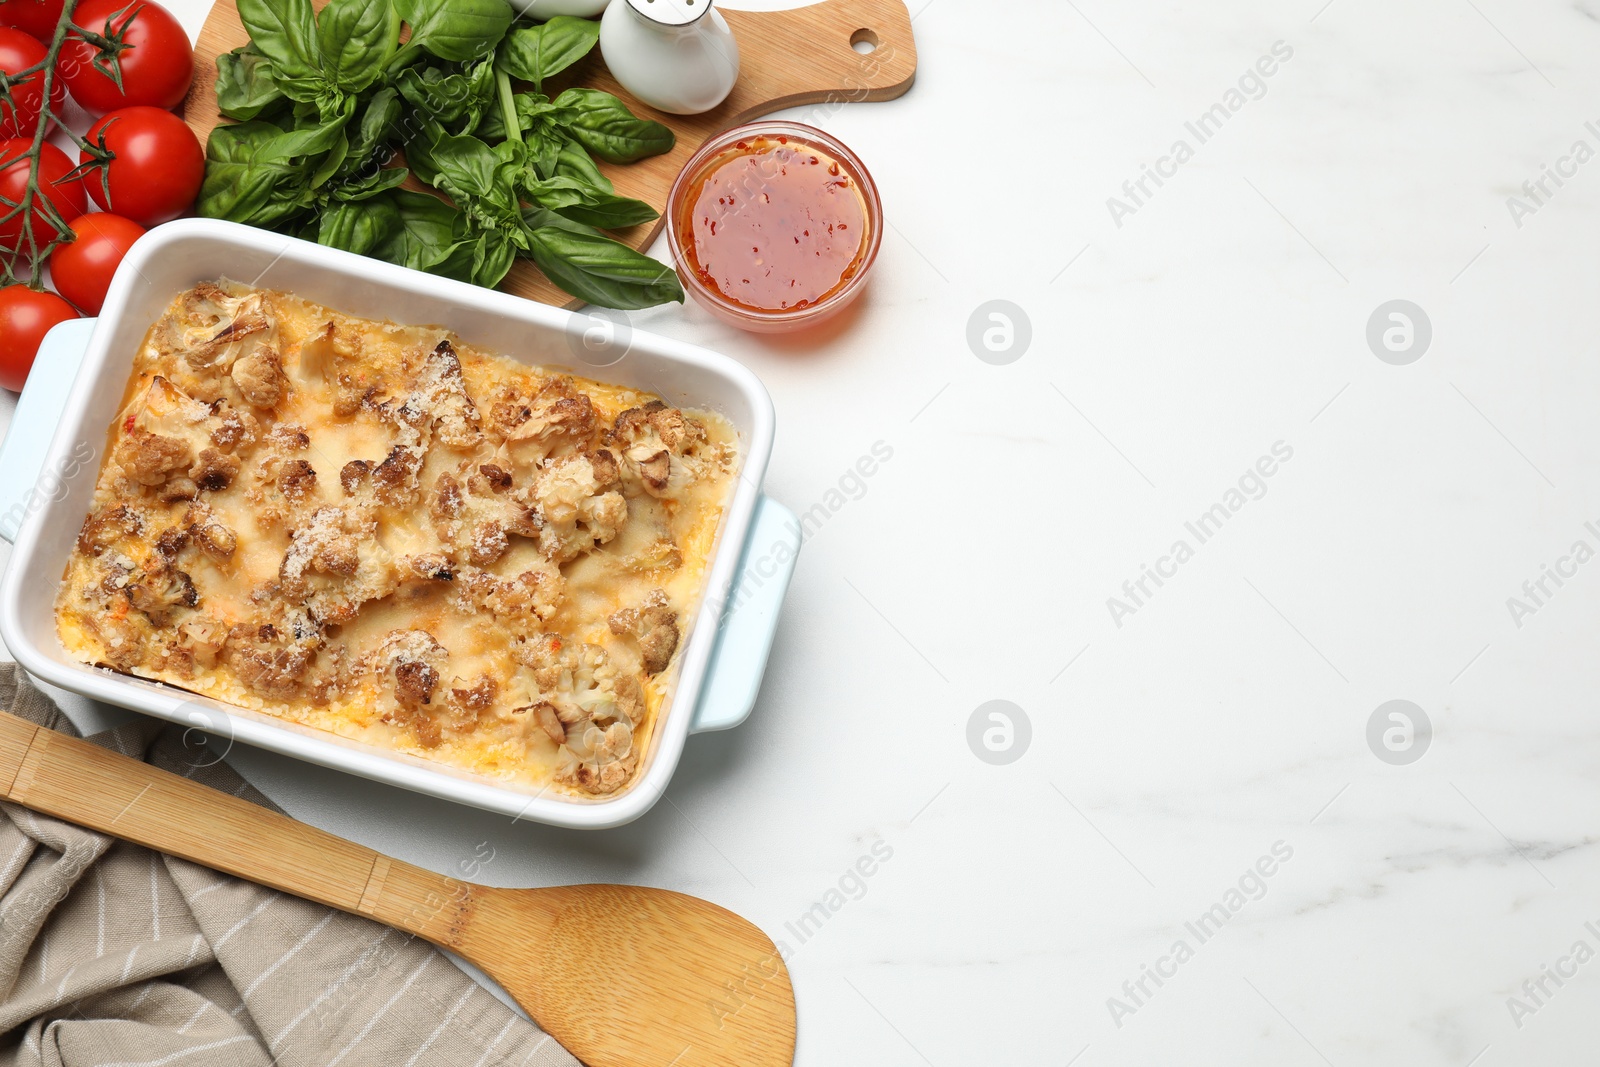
376	531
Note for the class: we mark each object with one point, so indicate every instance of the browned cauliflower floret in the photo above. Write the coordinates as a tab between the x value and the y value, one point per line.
213	471
440	394
204	637
478	697
472	520
353	475
409	664
213	329
548	720
394	481
555	419
588	707
216	540
655	625
106	527
162	430
282	483
472	705
208	534
496	479
350	397
161	593
260	378
297	480
531	595
335	564
272	661
236	432
320	352
579	503
123	640
654	441
429	566
414	684
171	542
150	458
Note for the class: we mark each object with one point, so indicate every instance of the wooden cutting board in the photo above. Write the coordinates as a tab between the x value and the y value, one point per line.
789	58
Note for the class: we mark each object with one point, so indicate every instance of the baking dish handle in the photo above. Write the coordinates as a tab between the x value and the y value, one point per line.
733	677
33	423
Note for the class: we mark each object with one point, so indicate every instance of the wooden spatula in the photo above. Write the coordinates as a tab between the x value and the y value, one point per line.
621	975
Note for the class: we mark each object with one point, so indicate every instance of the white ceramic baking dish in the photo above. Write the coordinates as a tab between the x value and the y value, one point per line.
53	449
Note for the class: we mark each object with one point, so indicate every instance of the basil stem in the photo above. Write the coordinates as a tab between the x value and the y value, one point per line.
508	105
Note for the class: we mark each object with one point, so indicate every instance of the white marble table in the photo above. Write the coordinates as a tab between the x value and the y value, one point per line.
1184	736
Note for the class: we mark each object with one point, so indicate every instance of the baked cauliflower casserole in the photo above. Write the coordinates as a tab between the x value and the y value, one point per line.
374	530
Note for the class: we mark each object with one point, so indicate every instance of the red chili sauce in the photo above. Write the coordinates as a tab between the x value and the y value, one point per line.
776	224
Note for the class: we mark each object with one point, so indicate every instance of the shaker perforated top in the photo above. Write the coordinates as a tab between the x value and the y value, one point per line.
672	12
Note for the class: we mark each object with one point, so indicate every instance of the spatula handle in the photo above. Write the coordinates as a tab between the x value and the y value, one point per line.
102	790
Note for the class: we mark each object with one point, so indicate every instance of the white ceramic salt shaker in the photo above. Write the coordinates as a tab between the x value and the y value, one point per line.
676	55
549	9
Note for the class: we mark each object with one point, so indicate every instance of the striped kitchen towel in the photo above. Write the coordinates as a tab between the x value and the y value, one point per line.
113	955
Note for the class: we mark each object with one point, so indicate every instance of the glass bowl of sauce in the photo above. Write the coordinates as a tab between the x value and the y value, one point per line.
774	226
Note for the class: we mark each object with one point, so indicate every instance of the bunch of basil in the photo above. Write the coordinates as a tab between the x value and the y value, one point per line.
322	101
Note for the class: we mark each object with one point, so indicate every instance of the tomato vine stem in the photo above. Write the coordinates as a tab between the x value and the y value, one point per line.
33	203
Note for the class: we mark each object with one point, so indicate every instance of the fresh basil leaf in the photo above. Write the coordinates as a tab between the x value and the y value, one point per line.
365	184
541	123
426	234
377	126
534	110
538	217
356	39
432	91
543	150
601	271
492	257
481	96
332	161
463	167
592	207
256	194
240	142
237	192
481	180
492	126
467	167
296	145
544	125
285	31
609	212
604	125
419	154
247	84
457	30
574	162
358	228
454	100
534	53
457	261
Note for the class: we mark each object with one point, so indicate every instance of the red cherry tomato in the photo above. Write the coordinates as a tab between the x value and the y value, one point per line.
156	169
37	18
82	270
25	317
18	52
157	64
68	197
